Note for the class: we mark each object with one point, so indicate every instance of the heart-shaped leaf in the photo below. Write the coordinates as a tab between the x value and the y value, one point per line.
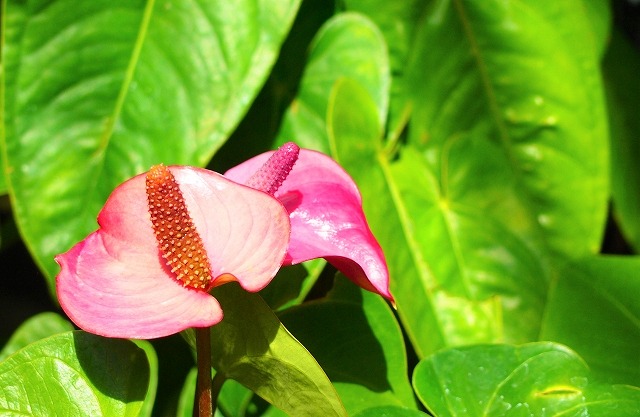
539	379
98	93
76	374
251	346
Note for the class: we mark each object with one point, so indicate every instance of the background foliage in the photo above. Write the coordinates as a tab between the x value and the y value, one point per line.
495	145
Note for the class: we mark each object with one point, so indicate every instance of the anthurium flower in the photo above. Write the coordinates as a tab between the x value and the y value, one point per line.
327	220
168	236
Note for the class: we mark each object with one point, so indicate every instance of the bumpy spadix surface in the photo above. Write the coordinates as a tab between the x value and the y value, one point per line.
327	220
116	282
178	239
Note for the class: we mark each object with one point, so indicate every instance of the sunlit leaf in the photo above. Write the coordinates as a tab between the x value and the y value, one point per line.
98	92
538	379
347	46
442	301
390	411
519	81
76	374
594	309
505	165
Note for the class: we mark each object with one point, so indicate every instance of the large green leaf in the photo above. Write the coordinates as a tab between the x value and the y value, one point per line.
355	337
75	374
594	309
99	91
35	328
350	46
449	290
538	379
621	68
251	346
520	81
505	165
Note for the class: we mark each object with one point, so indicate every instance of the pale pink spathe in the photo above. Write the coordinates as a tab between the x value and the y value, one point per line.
327	220
116	284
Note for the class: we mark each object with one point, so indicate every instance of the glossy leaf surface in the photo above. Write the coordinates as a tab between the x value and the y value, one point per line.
347	46
97	93
75	374
504	168
594	309
502	380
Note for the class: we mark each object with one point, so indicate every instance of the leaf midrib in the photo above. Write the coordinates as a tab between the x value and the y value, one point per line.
107	134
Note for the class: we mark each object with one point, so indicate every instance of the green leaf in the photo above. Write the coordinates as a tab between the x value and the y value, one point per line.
398	21
97	93
505	167
621	66
354	336
390	411
251	346
492	294
75	374
519	80
292	284
187	395
347	46
538	379
594	309
35	328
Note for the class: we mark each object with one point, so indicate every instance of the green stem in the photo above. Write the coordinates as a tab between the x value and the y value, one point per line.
203	406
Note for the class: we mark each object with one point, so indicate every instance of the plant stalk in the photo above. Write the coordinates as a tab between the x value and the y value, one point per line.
203	406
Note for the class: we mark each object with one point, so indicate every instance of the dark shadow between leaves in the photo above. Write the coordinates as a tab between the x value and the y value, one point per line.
337	332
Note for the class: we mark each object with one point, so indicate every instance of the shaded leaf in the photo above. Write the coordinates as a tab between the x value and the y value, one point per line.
251	346
354	336
98	93
75	374
33	329
292	284
594	309
533	379
348	46
621	67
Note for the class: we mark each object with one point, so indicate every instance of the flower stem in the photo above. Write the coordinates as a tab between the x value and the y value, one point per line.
203	406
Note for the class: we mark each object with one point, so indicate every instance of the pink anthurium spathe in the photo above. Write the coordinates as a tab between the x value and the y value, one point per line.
168	236
327	220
